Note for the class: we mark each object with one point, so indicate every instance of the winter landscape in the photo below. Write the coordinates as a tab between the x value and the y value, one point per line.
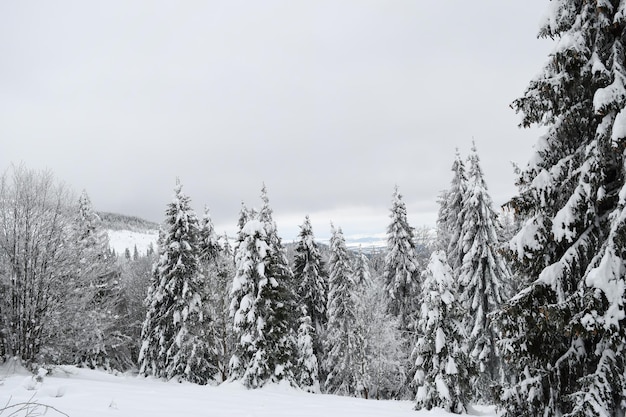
510	309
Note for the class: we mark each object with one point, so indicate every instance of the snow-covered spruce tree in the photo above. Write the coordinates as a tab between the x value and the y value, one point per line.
310	275
563	336
175	343
362	280
401	266
450	220
362	276
263	305
484	276
442	375
218	269
209	242
307	365
341	338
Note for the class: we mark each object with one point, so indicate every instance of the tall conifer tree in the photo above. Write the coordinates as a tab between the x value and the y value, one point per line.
175	343
218	270
484	275
564	335
341	335
450	219
401	266
310	275
263	305
442	375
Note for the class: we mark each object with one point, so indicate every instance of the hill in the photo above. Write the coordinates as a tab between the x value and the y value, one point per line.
115	221
129	232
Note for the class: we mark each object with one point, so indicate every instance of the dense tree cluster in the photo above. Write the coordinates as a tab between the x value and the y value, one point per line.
334	320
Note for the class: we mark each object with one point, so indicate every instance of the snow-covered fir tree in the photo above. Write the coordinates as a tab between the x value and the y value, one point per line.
311	278
442	375
362	280
450	220
401	266
218	269
263	305
341	336
484	276
307	365
209	242
564	334
174	337
362	276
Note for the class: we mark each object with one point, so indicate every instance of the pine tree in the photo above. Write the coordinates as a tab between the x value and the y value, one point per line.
341	336
309	272
362	275
450	219
564	334
174	339
401	266
263	305
307	365
209	243
442	375
483	276
217	267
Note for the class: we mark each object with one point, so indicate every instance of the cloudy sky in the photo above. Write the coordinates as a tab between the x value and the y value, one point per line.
330	103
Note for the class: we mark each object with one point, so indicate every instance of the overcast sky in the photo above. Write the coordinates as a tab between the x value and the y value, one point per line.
330	103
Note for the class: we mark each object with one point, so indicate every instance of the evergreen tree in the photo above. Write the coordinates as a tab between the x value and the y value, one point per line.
217	266
209	243
442	375
401	266
483	277
341	335
174	338
307	366
262	305
450	219
362	276
309	273
564	334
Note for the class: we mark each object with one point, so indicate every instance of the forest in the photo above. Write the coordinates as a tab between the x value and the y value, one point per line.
521	306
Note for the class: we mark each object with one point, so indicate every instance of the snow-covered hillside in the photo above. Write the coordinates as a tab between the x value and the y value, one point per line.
120	240
88	393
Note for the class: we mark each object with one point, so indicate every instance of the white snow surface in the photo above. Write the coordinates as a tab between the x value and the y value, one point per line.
119	240
619	126
83	392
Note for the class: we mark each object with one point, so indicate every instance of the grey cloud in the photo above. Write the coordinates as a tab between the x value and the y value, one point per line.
331	103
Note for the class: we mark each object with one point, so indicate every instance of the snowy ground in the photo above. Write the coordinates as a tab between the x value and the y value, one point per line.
82	392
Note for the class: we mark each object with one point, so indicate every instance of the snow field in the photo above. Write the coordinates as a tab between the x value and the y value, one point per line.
88	393
120	240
